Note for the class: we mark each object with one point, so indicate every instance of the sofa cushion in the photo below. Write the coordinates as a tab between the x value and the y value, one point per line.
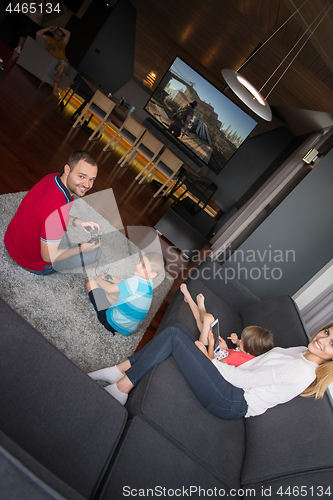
164	398
171	471
181	313
53	410
228	288
21	477
281	316
289	440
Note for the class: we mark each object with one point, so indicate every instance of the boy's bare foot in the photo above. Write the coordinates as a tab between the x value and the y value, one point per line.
185	292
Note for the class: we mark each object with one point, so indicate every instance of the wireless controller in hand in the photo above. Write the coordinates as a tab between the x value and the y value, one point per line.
94	235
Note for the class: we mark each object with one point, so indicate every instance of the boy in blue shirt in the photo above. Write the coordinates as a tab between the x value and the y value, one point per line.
122	305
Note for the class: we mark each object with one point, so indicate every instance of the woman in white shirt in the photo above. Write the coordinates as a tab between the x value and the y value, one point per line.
230	392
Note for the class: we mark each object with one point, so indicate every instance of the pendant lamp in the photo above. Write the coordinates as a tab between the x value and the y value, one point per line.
150	79
247	92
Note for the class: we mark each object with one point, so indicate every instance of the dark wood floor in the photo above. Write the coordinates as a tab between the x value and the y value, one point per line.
36	138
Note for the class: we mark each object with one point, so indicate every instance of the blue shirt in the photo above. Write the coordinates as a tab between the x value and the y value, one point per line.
132	306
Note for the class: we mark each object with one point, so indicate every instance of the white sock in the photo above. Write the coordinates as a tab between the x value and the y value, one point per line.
116	393
111	375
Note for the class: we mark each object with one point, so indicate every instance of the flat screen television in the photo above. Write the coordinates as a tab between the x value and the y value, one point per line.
216	127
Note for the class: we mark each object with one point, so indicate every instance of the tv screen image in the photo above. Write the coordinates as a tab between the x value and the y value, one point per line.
206	121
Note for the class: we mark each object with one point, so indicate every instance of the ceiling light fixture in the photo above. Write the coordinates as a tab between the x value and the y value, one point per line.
150	79
247	92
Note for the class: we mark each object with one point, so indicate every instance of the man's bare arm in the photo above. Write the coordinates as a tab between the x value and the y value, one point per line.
42	32
67	35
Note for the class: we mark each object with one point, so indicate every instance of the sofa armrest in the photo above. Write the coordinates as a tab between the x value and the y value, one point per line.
53	410
287	447
23	477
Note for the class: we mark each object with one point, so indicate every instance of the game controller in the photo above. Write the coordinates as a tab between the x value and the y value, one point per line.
94	235
1	66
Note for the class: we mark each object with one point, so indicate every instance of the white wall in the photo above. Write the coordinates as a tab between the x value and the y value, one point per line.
136	96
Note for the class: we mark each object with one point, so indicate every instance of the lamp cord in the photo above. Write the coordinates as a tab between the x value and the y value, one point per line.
268	39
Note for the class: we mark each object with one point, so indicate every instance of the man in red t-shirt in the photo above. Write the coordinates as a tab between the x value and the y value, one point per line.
33	236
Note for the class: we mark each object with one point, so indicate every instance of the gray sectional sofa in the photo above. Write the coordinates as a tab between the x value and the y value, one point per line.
63	436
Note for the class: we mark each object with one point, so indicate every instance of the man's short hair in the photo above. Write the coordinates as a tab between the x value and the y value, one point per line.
156	261
81	155
257	340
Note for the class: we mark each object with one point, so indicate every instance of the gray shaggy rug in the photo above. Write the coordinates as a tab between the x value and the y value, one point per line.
58	305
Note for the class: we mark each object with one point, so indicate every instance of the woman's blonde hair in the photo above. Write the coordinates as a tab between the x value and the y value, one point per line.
324	377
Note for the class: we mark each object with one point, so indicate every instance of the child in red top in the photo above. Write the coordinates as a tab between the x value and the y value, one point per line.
253	342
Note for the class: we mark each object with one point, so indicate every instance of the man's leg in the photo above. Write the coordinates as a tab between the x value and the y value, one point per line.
18	49
80	260
61	68
60	71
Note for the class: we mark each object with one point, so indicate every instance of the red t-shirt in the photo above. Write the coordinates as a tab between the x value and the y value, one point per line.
42	214
237	358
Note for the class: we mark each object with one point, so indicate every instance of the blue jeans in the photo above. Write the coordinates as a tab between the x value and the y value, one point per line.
48	269
217	395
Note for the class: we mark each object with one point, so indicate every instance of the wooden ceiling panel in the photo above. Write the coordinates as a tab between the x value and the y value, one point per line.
308	55
264	9
217	34
329	82
283	14
293	37
317	16
273	16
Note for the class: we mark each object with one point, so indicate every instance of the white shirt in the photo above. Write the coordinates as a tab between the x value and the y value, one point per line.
273	378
